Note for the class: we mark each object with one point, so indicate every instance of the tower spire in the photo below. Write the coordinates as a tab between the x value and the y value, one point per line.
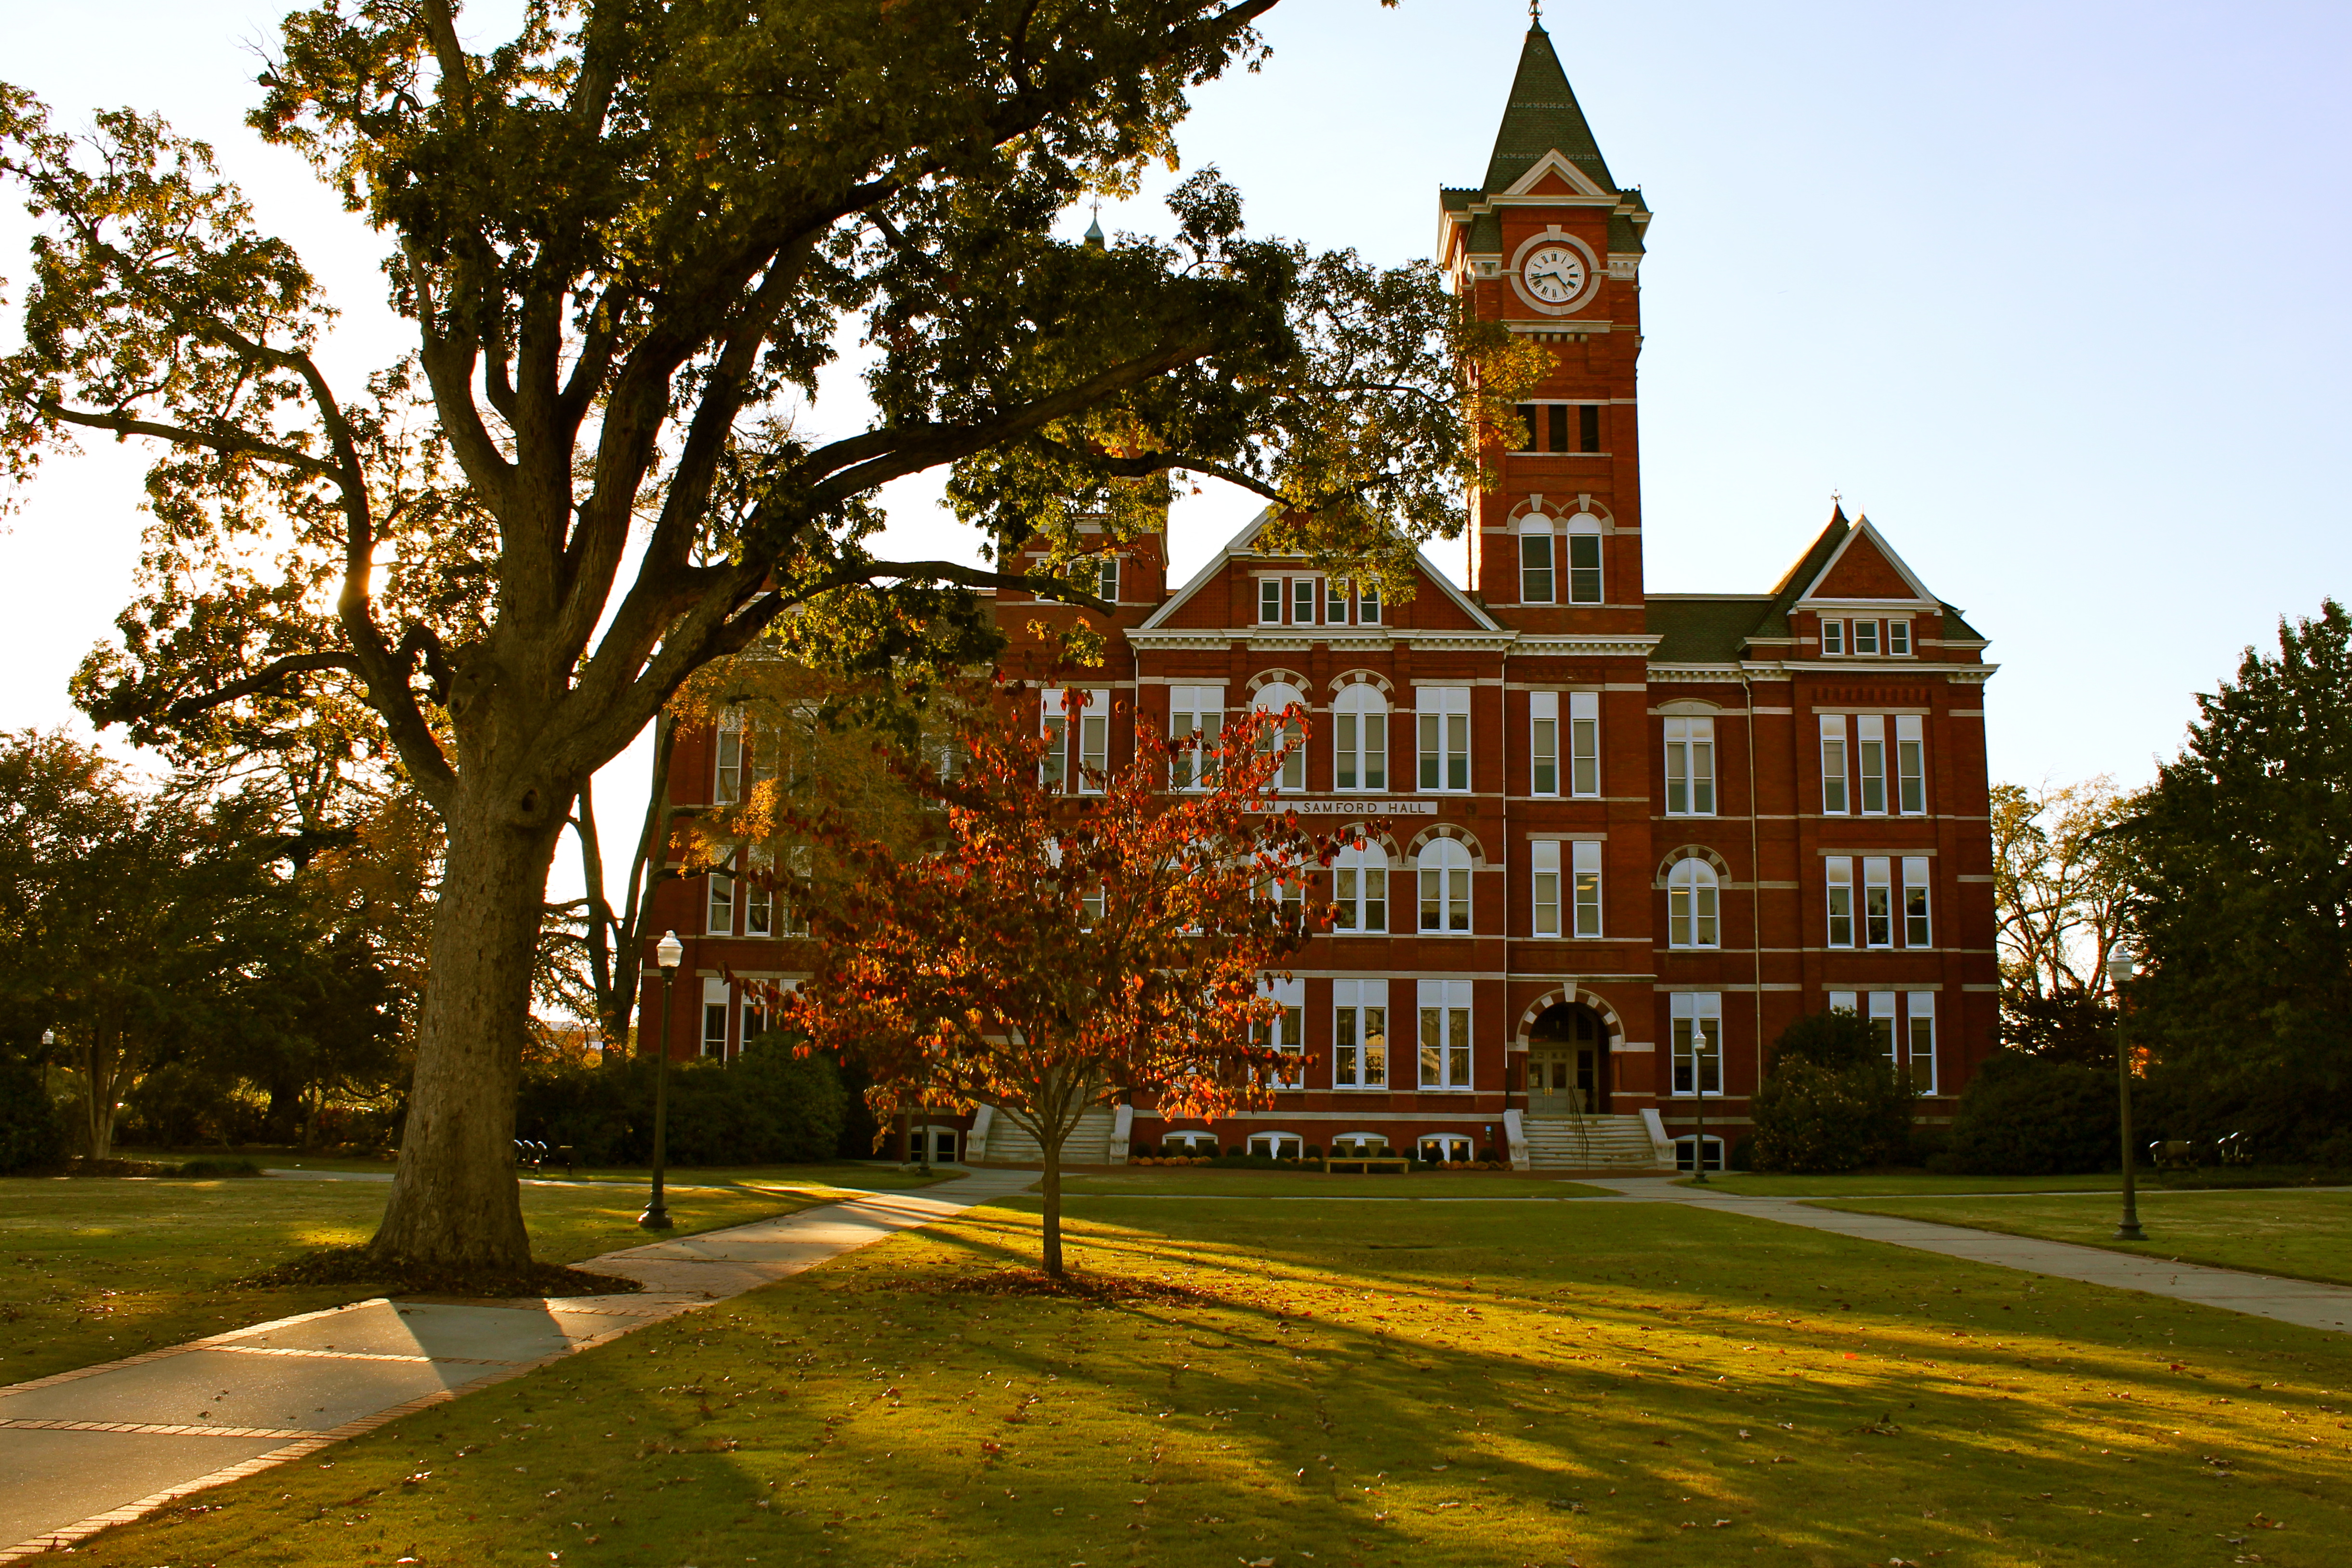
1542	115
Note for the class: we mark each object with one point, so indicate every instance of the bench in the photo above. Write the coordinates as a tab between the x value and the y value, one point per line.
1368	1163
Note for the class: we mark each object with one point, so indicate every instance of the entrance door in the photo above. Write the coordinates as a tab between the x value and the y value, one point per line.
1568	1062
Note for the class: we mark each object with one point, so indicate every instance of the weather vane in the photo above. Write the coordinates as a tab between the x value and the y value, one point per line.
1535	12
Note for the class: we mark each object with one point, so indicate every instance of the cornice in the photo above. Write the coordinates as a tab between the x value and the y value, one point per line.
1565	644
1663	674
1917	668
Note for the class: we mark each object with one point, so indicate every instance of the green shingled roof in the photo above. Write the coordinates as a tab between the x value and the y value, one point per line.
1700	630
1542	115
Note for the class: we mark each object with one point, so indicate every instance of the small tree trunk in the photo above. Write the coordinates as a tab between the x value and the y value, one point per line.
454	1198
1050	1141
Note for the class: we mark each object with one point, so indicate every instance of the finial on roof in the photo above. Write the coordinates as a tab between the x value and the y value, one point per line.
1094	229
1535	13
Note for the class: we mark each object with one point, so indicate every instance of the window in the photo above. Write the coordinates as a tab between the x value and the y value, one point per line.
1445	1034
795	912
1445	887
1882	1023
1588	427
1910	765
1535	562
1898	638
755	1020
759	906
1696	1017
1269	601
1545	882
1915	933
1445	714
1286	1031
1441	1149
1833	770
727	787
1359	738
1196	718
1686	1152
1106	583
1691	905
1841	886
1289	736
1585	867
1919	1042
1557	415
714	1017
1302	601
1690	767
1277	1145
1543	724
1368	604
1359	1034
1584	743
1866	638
1360	885
1833	637
1877	904
1529	416
1869	749
1075	716
1584	569
719	918
1843	1002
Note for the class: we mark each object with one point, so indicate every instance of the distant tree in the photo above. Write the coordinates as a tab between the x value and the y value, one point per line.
2240	869
1060	950
2058	894
1832	1099
627	239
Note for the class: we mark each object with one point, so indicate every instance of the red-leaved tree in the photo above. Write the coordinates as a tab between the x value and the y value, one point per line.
1067	947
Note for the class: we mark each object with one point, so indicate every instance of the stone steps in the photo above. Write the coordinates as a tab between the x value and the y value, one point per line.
1008	1145
1591	1143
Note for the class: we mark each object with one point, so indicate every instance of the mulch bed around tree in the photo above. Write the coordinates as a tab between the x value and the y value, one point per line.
1099	1289
352	1266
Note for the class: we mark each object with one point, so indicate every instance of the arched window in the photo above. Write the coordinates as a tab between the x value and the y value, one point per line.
1537	575
1445	887
1274	698
1360	885
1690	905
1359	738
1579	551
1277	1145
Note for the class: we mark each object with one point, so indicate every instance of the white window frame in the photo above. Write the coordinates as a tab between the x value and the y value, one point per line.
1910	765
1360	740
793	917
1537	574
1884	1026
1845	1002
1686	1149
1694	905
1865	637
1271	595
1687	1013
1444	1041
1286	1032
1195	713
1443	881
1581	563
1360	887
718	1008
1690	767
1107	575
1878	902
1442	715
718	905
1584	745
1837	782
726	770
1368	604
1276	1143
1584	887
1919	1039
1544	885
1837	874
1071	751
1833	639
1360	1016
1306	594
1273	699
1451	1148
1870	764
1543	743
1898	638
1918	923
759	898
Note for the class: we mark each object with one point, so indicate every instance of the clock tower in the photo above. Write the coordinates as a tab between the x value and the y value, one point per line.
1551	244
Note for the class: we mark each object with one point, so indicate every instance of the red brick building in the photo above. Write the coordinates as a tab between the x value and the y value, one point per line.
1633	835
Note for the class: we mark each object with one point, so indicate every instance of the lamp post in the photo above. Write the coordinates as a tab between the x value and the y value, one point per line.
2121	964
1699	1083
667	953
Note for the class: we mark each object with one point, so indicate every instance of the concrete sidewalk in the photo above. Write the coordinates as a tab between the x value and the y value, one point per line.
2300	1301
103	1445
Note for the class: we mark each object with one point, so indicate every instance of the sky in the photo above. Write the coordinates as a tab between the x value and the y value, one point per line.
2055	292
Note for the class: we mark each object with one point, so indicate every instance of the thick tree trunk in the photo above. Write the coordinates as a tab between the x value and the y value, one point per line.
454	1198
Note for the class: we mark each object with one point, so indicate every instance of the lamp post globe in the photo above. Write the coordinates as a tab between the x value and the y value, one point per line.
667	953
2121	962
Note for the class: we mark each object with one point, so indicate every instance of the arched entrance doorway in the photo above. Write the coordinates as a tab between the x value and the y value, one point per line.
1568	1062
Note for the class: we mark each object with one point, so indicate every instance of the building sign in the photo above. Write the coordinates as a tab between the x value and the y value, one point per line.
1347	807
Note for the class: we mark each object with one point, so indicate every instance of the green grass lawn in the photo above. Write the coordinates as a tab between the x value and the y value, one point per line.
95	1270
1871	1184
1206	1182
881	1175
1474	1384
2305	1234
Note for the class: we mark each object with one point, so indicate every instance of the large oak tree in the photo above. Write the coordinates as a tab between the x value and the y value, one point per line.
626	239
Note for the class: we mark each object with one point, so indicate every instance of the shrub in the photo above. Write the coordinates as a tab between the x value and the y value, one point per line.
2025	1115
1486	1156
1830	1100
769	1106
29	1131
194	1169
1314	1151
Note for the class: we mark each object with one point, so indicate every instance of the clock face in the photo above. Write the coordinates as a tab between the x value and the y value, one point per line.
1554	274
